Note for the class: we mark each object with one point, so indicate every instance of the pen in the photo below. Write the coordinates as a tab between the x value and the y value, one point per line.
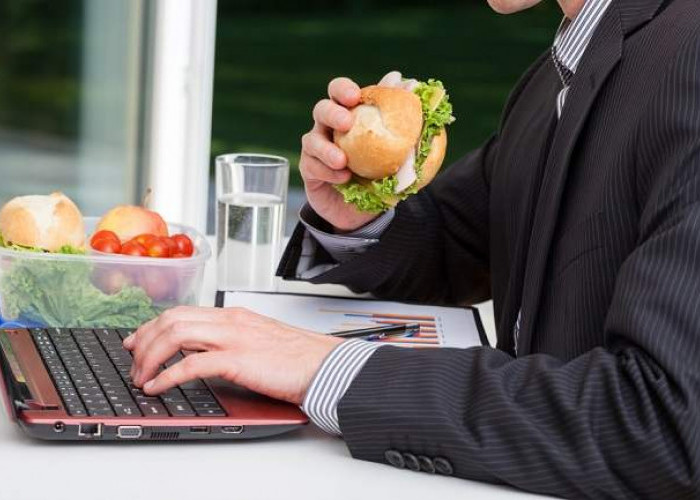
380	332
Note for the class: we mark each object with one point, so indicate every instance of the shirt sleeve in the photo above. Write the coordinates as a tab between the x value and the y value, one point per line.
343	247
334	377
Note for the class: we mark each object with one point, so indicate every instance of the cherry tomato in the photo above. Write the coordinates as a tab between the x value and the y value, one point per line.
184	244
145	239
134	248
104	234
172	246
106	245
178	255
158	248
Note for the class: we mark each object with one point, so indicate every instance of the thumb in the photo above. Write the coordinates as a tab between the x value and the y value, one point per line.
391	79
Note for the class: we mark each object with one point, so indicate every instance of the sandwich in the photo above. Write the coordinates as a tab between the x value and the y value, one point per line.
50	223
397	142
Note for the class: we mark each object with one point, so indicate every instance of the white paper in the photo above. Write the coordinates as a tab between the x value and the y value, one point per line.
440	326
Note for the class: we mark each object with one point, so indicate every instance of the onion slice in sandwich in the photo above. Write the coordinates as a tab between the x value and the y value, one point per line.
406	175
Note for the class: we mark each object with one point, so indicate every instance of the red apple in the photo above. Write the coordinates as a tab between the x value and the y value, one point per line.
111	280
129	221
159	283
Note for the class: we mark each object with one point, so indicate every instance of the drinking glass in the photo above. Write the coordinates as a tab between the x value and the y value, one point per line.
251	195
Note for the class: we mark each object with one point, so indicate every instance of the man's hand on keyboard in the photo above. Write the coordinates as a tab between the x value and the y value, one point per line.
235	344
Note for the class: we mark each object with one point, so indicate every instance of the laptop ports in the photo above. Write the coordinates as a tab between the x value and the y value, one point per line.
90	430
232	429
129	431
199	429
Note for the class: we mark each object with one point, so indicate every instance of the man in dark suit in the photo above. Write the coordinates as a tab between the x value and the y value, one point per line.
580	218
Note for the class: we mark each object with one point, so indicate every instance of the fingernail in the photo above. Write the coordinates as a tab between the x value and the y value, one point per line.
148	385
350	95
127	341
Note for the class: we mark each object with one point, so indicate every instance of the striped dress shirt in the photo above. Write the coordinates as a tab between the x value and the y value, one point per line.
344	363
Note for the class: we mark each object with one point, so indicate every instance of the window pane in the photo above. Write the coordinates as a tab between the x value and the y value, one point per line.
275	59
69	87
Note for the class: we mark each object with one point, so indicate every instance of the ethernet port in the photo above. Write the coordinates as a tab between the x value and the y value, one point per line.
90	430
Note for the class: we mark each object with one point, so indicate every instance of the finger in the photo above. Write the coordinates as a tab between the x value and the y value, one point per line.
344	91
391	79
144	336
180	313
313	170
317	145
182	335
194	366
131	340
330	114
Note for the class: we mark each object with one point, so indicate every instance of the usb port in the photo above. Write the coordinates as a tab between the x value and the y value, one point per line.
200	429
90	430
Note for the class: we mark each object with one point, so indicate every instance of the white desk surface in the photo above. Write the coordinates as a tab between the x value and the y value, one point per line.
306	464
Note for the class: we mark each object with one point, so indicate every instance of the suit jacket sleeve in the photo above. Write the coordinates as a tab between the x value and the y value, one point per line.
620	421
440	228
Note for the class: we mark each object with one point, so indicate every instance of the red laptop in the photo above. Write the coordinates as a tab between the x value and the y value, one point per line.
74	384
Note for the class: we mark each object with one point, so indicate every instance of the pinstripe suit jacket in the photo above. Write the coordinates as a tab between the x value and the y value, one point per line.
592	225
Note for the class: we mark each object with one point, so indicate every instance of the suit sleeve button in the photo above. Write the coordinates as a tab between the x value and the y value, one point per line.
395	458
443	466
426	464
411	462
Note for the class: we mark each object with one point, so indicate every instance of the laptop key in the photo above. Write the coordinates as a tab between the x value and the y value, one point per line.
173	399
102	411
147	399
202	399
196	392
112	384
126	410
193	384
211	412
95	402
151	410
118	390
180	409
107	335
120	398
176	357
125	332
113	378
206	406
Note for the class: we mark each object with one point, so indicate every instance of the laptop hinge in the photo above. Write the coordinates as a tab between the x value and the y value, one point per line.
16	390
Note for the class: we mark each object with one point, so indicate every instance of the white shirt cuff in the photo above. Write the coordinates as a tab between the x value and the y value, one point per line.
343	247
334	377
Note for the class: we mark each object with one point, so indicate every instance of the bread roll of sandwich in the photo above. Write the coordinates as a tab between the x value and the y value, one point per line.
397	142
47	223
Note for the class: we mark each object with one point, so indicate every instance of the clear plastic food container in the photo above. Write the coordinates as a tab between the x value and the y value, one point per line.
97	290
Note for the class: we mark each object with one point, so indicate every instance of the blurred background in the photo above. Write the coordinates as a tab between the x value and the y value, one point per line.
78	79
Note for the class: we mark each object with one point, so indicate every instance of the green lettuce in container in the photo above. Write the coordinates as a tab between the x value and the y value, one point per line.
56	290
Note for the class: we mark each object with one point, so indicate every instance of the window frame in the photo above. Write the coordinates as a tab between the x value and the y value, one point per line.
178	109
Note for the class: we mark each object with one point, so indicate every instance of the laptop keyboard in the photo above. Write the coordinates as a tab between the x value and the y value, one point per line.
91	370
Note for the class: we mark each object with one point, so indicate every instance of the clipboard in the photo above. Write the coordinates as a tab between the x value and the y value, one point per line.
441	326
